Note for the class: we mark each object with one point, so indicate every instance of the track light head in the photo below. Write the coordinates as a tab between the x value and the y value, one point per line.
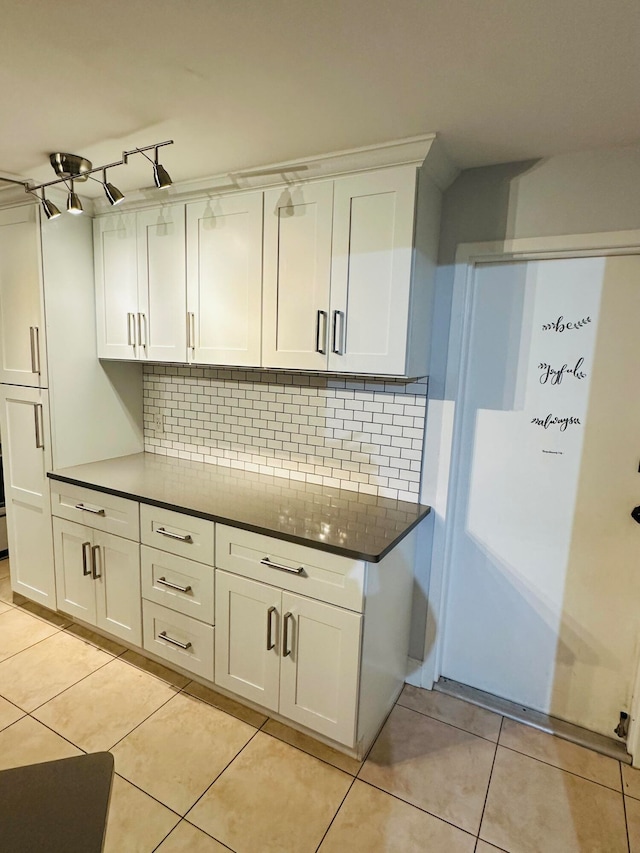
161	176
50	210
113	194
74	205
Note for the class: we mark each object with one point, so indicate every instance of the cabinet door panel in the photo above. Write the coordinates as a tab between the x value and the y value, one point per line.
26	456
243	663
22	330
297	269
371	270
116	285
224	244
319	678
162	284
118	604
75	590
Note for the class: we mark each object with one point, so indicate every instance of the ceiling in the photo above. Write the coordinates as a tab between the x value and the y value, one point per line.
243	83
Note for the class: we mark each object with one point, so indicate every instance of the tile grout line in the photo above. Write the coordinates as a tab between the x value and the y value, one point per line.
624	808
447	723
419	808
324	835
229	763
486	796
563	769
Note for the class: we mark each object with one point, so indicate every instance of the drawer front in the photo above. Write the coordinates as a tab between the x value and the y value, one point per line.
184	535
177	583
307	571
163	629
99	510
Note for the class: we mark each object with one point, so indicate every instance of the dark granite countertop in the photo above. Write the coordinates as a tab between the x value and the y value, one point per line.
336	520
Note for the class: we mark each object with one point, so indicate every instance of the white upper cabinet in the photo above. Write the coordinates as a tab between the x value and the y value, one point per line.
22	331
371	271
224	280
342	286
161	321
297	276
116	271
140	285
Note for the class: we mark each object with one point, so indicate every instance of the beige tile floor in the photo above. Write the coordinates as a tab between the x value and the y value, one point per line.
199	773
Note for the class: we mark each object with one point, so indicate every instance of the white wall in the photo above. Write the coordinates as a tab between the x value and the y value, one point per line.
587	192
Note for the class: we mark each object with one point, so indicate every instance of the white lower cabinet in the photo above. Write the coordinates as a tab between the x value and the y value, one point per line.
26	456
98	579
290	654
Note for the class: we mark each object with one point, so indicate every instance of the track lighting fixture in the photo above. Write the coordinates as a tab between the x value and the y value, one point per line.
71	168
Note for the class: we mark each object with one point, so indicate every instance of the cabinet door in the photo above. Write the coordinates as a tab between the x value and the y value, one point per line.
26	456
320	665
162	319
247	659
75	587
224	280
22	332
297	270
118	602
372	260
116	285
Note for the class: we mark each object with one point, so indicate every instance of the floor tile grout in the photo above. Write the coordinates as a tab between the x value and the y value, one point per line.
447	722
486	796
561	769
624	808
353	782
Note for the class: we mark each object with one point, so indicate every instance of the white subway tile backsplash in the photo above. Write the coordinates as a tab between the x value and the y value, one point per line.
358	434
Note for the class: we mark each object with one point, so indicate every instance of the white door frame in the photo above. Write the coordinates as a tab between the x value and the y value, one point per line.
441	466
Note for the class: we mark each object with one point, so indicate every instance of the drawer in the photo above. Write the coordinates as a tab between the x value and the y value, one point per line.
184	535
163	629
177	583
99	510
308	571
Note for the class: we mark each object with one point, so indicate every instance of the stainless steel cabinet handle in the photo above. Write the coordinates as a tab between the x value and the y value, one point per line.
169	639
191	330
131	321
142	320
270	641
321	315
163	532
86	547
95	559
34	340
265	561
286	651
337	348
39	425
90	509
165	582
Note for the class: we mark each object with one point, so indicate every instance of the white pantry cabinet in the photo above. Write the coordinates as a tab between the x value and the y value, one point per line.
22	328
290	654
224	280
346	284
98	579
26	457
140	280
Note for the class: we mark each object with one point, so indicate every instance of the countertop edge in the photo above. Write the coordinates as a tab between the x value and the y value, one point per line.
266	531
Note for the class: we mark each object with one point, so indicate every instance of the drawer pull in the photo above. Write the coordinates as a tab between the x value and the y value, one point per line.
90	509
163	532
267	562
286	651
86	549
165	582
270	642
169	639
